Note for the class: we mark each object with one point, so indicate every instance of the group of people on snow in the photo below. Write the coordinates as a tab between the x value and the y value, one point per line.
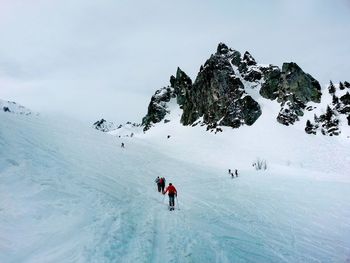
233	175
160	184
171	190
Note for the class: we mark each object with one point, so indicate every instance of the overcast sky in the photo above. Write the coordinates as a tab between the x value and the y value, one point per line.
105	58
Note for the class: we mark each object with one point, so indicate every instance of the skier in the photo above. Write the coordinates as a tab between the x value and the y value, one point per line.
236	172
162	183
157	181
172	192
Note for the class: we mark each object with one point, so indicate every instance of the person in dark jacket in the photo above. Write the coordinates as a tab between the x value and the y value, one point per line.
157	181
172	192
162	184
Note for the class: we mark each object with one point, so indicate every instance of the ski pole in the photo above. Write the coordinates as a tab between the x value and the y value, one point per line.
177	201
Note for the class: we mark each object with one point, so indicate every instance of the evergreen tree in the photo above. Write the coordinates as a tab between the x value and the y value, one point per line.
335	99
310	129
329	114
331	88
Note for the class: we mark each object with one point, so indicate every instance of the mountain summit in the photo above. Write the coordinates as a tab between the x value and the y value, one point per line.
228	88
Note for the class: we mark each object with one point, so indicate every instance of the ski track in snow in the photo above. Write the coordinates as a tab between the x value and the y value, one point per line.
73	195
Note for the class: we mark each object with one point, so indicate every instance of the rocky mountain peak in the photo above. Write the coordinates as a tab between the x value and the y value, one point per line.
219	95
248	58
222	49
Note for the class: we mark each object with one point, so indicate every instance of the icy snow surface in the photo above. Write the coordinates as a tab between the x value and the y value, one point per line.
69	193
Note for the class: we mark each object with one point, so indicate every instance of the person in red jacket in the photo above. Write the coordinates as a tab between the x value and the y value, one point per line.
172	192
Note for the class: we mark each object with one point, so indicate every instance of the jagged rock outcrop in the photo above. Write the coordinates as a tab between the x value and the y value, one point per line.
158	108
218	95
104	126
271	85
13	107
293	88
181	85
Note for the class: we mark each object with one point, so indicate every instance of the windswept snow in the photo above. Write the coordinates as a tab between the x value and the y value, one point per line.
69	193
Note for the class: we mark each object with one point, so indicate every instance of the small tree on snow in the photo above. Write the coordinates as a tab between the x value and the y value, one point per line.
310	129
331	88
260	165
335	99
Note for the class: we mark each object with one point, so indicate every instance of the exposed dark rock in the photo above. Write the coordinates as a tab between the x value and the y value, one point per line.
236	58
290	111
157	108
253	75
299	83
310	108
222	49
248	58
218	95
104	126
292	87
181	84
271	85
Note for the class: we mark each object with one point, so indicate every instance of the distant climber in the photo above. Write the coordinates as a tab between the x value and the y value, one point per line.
168	136
172	192
236	172
122	145
159	186
231	173
162	183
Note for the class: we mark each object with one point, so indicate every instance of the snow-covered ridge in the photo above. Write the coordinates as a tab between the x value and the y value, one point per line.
13	107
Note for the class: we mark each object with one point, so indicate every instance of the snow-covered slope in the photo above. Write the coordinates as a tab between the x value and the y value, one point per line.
69	193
